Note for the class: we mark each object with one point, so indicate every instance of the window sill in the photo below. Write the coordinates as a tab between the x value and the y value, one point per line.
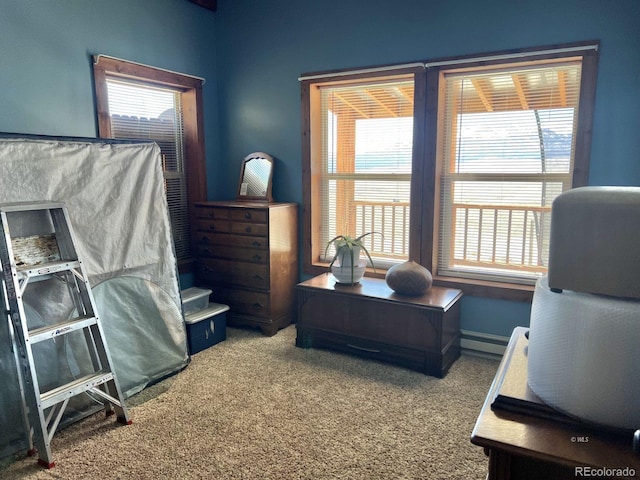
483	288
476	288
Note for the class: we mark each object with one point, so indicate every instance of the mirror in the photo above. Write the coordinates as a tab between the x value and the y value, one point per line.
255	177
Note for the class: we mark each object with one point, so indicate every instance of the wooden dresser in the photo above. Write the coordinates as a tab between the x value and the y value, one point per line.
248	256
527	440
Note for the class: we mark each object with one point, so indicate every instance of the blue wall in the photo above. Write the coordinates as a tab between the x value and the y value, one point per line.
252	53
264	46
46	78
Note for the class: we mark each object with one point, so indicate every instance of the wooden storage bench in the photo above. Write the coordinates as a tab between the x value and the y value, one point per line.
369	319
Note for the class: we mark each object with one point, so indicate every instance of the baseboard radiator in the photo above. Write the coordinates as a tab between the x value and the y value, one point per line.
479	343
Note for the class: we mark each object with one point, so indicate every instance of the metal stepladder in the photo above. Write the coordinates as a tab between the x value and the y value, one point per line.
50	254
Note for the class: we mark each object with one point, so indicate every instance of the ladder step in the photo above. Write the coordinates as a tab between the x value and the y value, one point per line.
51	331
29	206
47	268
78	386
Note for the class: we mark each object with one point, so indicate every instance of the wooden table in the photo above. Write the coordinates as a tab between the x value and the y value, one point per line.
545	446
371	320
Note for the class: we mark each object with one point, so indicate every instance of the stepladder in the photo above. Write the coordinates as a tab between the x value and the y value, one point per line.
51	312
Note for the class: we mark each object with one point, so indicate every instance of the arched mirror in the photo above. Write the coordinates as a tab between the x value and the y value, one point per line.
255	177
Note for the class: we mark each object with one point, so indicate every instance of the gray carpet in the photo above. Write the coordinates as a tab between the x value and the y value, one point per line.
256	407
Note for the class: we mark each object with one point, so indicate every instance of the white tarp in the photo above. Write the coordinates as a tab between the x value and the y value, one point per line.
114	192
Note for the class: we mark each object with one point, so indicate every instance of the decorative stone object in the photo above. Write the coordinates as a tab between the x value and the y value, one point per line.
409	278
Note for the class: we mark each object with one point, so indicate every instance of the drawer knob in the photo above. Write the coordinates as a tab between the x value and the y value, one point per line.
247	215
258	277
257	244
204	239
257	257
258	305
212	227
211	213
247	229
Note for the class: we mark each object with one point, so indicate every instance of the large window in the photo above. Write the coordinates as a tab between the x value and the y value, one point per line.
145	103
506	153
365	158
455	162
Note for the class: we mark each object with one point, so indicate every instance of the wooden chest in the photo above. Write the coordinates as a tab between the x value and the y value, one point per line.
369	319
248	256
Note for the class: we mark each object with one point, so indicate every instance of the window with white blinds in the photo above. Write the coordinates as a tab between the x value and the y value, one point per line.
140	111
365	164
136	101
506	151
456	162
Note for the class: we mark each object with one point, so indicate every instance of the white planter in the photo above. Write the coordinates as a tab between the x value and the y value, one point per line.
345	257
347	274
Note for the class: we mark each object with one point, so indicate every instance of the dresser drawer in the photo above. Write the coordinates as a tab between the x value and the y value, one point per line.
234	253
249	216
234	214
244	302
213	213
253	229
212	239
220	226
216	270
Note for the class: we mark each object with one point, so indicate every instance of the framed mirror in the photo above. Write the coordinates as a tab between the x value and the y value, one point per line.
256	177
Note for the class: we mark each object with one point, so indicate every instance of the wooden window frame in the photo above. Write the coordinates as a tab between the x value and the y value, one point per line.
311	149
192	103
425	169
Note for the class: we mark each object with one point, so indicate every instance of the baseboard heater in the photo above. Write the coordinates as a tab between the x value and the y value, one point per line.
482	343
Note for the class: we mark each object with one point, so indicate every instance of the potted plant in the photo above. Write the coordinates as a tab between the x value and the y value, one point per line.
347	253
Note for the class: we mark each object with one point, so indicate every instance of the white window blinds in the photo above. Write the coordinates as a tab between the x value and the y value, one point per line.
506	151
141	111
365	168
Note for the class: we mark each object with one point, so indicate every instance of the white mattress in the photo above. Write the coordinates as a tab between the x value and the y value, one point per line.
114	192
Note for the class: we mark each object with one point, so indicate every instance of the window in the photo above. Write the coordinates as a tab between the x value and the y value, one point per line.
456	162
506	153
365	158
140	102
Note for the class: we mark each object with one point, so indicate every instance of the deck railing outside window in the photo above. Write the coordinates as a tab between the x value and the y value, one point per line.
391	220
503	237
500	237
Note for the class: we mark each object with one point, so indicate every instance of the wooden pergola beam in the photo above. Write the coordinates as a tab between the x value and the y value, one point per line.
380	102
481	93
351	105
562	87
517	83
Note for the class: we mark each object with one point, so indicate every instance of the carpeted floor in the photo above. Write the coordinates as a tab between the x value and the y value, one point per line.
256	407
